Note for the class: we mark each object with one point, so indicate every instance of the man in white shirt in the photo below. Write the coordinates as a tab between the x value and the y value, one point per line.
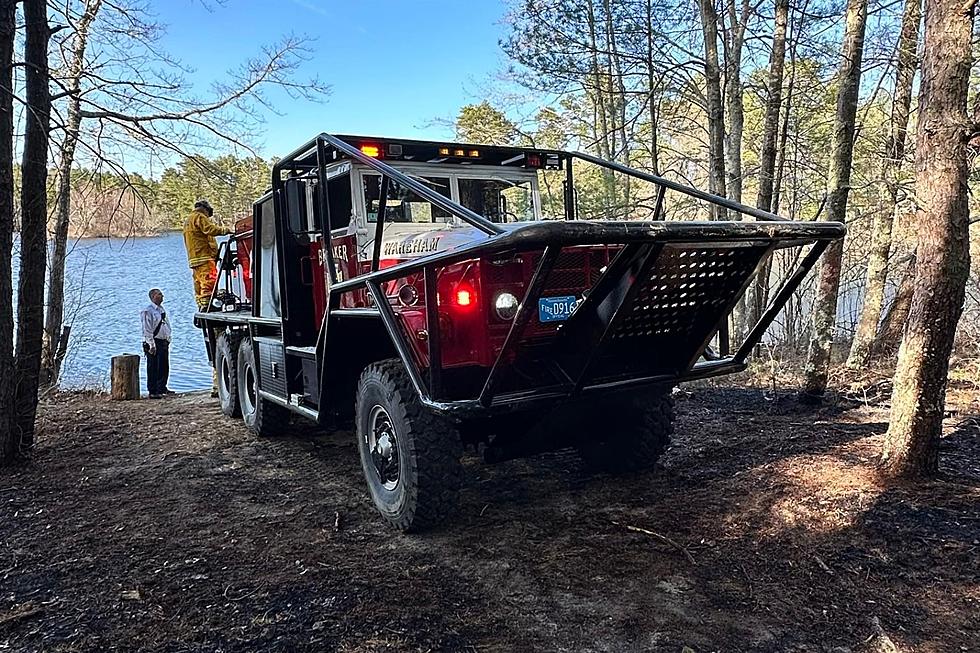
156	345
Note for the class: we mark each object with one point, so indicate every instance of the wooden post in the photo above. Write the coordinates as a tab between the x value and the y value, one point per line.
126	377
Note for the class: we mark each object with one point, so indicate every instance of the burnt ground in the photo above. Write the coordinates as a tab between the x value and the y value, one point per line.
163	526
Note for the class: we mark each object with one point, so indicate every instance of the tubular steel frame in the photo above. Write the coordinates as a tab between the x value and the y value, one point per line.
642	241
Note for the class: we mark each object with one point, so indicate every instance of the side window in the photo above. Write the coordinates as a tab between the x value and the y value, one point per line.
269	300
339	199
402	204
498	199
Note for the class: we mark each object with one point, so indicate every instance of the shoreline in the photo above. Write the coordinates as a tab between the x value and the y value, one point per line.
148	234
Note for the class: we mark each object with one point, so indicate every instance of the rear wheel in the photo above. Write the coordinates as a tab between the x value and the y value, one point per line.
265	417
226	368
629	435
410	456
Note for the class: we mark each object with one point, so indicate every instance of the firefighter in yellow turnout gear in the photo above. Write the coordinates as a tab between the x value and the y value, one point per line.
202	250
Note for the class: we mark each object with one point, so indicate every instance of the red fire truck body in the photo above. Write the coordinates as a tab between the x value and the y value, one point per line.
421	289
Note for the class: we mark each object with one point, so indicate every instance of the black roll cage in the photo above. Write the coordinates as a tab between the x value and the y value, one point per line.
313	156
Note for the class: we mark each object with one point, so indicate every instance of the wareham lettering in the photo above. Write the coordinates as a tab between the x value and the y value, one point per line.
416	246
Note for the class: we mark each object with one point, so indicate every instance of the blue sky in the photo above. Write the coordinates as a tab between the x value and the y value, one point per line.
395	67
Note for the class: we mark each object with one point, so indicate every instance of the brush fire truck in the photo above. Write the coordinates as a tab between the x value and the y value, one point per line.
418	289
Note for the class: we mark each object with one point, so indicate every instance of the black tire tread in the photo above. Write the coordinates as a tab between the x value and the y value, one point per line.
271	420
231	340
437	448
643	429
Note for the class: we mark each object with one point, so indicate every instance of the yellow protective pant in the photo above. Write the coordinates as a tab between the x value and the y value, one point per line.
205	276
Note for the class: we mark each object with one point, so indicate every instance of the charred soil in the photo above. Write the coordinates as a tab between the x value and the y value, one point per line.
164	526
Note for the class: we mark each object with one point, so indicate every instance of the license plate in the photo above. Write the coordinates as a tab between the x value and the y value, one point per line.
556	309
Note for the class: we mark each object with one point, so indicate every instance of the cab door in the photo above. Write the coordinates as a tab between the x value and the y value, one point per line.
299	235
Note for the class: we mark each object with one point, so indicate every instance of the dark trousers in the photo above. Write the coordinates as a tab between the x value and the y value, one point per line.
158	368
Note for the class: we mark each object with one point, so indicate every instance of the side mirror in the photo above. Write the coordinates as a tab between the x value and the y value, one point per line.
296	205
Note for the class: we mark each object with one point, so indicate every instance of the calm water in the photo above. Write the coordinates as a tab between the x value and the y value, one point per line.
106	284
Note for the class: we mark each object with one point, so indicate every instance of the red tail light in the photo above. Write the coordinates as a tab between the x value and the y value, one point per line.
464	296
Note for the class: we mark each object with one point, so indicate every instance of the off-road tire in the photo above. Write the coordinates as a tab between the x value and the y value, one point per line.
266	418
226	369
428	446
628	436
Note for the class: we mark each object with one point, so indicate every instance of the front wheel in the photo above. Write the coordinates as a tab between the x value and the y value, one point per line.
410	456
629	435
265	417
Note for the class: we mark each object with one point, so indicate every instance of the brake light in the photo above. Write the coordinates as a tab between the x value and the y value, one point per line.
465	295
371	150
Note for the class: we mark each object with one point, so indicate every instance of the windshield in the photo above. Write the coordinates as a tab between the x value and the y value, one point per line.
403	205
498	199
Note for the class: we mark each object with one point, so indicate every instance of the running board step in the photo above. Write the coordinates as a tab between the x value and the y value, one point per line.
302	352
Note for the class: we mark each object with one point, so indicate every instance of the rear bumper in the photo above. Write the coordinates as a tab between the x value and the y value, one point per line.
546	398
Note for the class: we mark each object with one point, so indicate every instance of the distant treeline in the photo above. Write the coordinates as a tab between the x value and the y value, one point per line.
109	204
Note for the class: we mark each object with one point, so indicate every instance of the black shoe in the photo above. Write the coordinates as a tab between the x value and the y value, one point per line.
168	391
156	396
214	394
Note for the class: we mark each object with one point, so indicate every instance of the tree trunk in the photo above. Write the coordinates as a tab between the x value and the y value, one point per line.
9	438
777	183
770	128
942	266
767	159
653	94
893	326
763	287
716	116
125	377
838	185
654	128
738	17
734	39
50	363
891	164
34	214
604	137
617	93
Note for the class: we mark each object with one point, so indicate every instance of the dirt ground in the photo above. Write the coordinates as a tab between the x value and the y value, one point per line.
164	526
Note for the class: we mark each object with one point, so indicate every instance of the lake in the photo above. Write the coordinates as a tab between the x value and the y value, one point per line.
107	281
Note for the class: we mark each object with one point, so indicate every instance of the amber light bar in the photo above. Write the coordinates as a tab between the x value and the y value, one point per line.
460	152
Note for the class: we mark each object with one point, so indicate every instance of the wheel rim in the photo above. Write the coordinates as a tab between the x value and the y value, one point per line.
249	394
382	444
225	377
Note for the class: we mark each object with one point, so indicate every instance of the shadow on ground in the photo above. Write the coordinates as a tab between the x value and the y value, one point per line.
167	527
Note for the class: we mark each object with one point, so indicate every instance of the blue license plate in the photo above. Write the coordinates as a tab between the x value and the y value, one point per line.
556	309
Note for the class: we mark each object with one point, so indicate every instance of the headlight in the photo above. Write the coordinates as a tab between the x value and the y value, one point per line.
408	295
505	304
